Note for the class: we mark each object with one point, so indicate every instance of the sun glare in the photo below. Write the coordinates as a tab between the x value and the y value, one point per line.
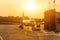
30	7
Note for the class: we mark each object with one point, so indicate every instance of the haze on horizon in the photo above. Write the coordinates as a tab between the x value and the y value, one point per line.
31	8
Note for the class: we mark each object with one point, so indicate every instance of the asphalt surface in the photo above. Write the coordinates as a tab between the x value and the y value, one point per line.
14	33
17	34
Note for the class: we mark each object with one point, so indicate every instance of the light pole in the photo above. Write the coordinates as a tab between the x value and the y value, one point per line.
23	15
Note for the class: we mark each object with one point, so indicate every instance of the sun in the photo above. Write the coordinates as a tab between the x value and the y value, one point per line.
30	7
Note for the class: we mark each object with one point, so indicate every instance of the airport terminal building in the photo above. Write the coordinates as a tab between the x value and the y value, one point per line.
52	20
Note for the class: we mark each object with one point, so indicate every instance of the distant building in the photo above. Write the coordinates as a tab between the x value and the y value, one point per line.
58	16
58	21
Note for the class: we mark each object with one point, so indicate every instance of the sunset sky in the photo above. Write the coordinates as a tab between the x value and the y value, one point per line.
31	8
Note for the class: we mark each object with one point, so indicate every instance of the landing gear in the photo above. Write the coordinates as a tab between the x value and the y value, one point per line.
21	26
56	31
37	28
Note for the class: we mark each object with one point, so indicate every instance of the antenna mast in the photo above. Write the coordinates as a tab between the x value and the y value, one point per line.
49	4
54	3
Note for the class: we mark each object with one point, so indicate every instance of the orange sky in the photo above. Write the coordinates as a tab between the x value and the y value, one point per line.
16	7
